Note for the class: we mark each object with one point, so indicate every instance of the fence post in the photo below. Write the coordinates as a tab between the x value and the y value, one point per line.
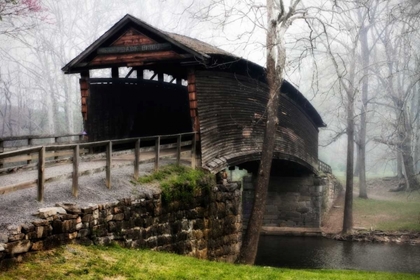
193	151
136	159
41	174
76	158
178	149
108	164
157	152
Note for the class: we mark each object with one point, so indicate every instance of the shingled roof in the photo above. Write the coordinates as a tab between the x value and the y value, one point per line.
197	45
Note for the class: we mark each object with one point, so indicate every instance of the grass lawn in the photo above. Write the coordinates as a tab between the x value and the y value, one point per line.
79	262
401	213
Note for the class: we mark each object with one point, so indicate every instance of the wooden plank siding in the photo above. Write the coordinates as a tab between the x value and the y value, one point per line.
133	37
134	58
231	109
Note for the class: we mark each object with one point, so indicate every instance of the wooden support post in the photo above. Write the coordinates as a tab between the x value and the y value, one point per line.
41	174
136	159
84	92
178	149
140	75
193	152
76	159
157	153
108	164
115	73
160	77
179	81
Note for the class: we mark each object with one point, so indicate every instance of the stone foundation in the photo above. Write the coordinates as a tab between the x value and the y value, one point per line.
208	227
293	202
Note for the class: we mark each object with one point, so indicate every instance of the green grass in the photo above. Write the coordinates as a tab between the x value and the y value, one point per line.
78	262
403	214
179	183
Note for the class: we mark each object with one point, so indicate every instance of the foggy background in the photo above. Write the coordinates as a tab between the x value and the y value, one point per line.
379	39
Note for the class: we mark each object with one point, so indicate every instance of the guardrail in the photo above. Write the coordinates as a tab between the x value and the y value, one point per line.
29	139
15	142
41	152
322	166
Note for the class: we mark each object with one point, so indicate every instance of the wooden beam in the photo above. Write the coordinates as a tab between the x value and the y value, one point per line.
140	74
193	103
84	92
129	72
115	73
41	174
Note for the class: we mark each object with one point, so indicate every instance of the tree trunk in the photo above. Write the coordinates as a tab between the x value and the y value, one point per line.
274	79
399	164
348	200
363	118
406	151
357	161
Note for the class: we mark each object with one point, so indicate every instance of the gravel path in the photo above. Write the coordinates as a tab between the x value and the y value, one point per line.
18	207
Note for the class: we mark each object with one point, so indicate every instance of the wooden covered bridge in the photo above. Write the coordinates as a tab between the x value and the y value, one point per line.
155	83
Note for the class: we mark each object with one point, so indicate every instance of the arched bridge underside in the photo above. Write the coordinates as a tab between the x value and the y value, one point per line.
244	158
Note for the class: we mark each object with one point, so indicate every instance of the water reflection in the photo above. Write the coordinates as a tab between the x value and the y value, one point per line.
312	252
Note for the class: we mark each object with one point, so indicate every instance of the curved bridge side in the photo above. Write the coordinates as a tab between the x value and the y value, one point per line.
231	111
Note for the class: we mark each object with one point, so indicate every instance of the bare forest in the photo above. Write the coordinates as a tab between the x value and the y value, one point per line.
360	55
356	61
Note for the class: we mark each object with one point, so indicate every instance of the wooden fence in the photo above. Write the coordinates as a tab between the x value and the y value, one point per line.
322	166
76	148
15	142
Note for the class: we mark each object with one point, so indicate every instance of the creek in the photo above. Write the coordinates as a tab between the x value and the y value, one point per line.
318	252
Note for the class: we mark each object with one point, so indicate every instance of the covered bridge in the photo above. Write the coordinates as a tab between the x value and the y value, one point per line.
165	83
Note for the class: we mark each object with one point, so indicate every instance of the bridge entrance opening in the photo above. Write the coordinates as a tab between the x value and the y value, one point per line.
294	195
126	108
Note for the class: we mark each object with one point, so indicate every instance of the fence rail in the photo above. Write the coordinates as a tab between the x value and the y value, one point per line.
177	143
322	166
29	139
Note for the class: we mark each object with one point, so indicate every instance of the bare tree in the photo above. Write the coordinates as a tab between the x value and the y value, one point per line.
399	76
14	15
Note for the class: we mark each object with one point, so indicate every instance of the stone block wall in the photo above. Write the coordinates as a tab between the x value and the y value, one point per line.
331	188
208	227
293	201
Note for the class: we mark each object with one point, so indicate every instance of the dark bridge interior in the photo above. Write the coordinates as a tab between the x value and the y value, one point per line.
280	168
121	109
